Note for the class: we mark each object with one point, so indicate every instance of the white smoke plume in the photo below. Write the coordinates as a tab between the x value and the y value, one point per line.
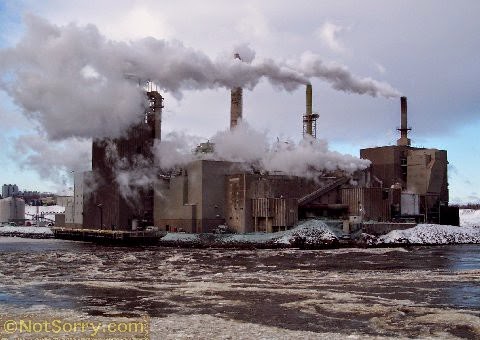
308	158
77	83
175	150
131	175
342	79
55	162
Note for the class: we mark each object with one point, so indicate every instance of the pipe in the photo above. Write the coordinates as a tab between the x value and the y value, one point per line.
403	140
403	109
236	103
308	113
309	99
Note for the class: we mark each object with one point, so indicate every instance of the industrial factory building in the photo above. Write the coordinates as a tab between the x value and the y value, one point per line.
420	173
402	183
209	193
105	206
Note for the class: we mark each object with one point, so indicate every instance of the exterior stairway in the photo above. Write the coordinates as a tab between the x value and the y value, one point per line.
321	191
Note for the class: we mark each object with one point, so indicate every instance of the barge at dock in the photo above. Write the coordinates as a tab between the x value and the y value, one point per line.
109	236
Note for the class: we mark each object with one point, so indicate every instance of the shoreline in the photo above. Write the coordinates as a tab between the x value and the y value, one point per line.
354	244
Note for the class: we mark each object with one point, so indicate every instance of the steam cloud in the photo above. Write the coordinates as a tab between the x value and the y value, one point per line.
76	83
53	163
308	158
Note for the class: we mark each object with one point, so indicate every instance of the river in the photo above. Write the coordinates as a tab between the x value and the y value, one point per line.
246	294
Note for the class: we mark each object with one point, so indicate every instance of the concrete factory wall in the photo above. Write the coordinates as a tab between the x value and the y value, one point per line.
194	201
410	203
210	193
266	202
427	172
388	164
372	204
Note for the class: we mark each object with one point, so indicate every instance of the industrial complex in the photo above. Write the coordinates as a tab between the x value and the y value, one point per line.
402	184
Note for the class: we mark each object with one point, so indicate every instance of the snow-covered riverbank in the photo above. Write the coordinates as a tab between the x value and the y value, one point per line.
308	234
315	234
28	232
431	234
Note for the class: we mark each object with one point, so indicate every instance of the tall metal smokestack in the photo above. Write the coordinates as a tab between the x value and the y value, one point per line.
403	140
308	97
236	104
310	118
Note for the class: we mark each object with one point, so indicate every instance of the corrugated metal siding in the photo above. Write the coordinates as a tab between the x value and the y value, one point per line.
284	212
262	207
370	203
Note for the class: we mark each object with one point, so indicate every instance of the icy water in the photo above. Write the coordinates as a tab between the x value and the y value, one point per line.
419	292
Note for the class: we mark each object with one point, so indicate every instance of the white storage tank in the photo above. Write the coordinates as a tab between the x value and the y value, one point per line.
12	208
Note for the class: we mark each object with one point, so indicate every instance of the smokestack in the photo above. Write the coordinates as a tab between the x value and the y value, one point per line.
310	118
155	101
236	104
403	140
308	98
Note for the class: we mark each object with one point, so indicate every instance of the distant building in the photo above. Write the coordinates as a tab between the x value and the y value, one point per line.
64	201
9	190
80	189
30	197
73	216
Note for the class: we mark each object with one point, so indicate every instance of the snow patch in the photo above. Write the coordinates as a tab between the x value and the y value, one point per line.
26	230
431	234
181	237
310	233
469	218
